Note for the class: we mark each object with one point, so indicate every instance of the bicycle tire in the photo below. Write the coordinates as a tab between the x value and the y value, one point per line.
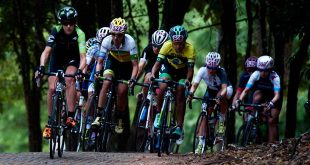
61	130
162	127
53	125
141	134
87	133
107	123
244	134
199	122
79	128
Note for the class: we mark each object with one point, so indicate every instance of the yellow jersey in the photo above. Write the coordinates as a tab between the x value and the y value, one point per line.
177	60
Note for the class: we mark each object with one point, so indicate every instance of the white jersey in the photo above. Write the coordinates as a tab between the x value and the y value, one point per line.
92	53
272	82
213	82
126	52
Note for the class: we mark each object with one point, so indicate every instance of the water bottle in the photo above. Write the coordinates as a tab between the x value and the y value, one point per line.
77	85
143	114
81	101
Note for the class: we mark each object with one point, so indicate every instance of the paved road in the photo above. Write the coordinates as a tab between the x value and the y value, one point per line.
93	158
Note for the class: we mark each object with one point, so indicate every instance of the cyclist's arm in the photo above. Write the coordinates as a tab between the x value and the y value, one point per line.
244	93
194	87
276	97
142	63
190	74
223	90
135	69
140	68
82	61
45	55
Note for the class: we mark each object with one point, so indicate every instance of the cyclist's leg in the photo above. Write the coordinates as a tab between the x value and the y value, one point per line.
164	74
70	91
180	104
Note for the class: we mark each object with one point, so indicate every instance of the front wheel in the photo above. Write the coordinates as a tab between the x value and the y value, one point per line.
200	134
141	135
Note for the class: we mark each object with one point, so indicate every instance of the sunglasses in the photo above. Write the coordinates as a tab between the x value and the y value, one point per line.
69	23
117	34
264	70
212	68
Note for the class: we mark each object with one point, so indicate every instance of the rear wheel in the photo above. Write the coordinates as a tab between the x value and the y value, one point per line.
141	136
197	134
87	141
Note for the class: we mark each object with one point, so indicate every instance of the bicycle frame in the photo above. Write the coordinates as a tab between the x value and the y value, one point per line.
166	116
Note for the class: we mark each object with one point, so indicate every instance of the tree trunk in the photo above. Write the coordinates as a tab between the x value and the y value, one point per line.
228	51
294	79
32	96
152	11
103	13
250	28
174	12
86	17
117	9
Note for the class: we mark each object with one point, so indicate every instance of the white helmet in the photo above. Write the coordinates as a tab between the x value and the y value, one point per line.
264	62
101	33
213	60
90	42
159	37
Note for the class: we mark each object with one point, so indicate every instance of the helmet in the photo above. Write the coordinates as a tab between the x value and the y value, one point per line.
67	14
178	33
90	42
264	62
213	60
101	33
118	25
159	37
250	62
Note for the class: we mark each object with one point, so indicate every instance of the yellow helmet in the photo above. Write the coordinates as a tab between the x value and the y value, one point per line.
118	25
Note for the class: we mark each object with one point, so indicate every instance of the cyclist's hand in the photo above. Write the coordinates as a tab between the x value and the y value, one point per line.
152	76
219	99
131	85
40	72
97	74
237	103
269	105
189	99
78	74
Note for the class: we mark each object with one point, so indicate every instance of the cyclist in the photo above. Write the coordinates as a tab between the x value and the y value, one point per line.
176	61
149	55
218	87
66	43
250	67
266	86
121	63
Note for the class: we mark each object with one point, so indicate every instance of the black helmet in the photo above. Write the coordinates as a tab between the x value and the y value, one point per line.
67	15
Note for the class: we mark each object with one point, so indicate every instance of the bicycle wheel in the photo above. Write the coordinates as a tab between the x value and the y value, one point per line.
243	134
87	141
53	125
197	134
78	129
60	128
107	123
162	130
141	135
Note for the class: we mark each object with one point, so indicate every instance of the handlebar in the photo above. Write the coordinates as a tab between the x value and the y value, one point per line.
59	74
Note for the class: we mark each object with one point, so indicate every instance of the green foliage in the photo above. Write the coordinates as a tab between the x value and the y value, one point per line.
13	127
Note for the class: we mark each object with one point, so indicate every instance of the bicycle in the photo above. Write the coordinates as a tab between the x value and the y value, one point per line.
249	132
88	136
206	127
106	126
167	121
144	122
76	133
59	114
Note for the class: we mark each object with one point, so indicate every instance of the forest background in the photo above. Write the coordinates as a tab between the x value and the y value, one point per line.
235	28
